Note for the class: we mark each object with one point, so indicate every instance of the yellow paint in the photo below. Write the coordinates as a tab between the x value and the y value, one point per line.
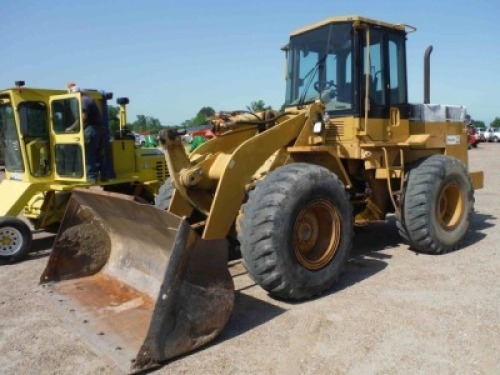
244	162
29	191
15	195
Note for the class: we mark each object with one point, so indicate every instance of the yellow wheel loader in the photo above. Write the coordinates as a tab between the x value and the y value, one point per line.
44	162
146	284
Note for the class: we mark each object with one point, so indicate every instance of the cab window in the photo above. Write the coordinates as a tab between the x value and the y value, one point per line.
9	140
33	118
64	114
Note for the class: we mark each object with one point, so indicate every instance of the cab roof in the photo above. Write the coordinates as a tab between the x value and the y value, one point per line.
339	19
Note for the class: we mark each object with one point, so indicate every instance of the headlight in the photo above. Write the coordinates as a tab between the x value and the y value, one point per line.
318	127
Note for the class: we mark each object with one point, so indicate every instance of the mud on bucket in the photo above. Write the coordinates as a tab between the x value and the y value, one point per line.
137	282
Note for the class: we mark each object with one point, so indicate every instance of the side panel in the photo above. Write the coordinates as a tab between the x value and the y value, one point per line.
19	194
449	136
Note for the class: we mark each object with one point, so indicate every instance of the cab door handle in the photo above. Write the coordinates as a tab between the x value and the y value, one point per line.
394	116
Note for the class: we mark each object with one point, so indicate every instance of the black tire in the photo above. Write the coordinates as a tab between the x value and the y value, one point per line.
279	211
15	239
162	200
437	204
496	139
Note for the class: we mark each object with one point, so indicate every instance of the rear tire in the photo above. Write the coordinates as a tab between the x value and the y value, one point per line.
437	205
15	239
296	231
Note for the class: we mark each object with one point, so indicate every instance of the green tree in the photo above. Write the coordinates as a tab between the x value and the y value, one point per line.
113	119
148	123
187	123
258	106
495	123
479	124
206	111
201	118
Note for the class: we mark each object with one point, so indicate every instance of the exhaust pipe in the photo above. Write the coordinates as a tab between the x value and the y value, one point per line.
427	75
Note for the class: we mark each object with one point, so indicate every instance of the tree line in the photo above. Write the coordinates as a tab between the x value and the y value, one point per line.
153	125
482	125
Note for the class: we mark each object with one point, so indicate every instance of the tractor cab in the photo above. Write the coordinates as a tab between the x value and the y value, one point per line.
357	68
42	137
34	134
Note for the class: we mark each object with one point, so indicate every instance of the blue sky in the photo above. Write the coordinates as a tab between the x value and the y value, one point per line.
173	57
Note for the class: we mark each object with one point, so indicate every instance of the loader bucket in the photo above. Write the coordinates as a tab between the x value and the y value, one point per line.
137	282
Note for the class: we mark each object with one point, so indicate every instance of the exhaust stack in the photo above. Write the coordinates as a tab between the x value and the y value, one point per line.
427	75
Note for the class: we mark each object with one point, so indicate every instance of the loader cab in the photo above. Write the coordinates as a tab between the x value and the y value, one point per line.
338	60
34	136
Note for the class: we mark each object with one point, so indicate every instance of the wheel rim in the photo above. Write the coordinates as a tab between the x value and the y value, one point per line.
316	234
11	241
451	206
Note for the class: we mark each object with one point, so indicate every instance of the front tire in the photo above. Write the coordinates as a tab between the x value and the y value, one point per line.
296	231
15	239
438	202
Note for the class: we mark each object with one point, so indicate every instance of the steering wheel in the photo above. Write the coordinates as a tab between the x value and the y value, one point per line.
320	86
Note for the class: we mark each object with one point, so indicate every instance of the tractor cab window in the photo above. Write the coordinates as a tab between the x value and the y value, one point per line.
320	67
9	140
397	70
68	152
64	114
373	68
33	119
384	65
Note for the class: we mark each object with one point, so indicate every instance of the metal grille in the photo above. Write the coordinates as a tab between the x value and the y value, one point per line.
334	131
161	170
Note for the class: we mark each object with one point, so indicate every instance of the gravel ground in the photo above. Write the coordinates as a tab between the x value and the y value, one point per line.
393	312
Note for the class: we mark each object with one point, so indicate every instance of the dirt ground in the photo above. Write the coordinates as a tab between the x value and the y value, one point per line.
393	312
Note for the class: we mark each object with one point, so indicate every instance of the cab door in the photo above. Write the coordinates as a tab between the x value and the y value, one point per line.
386	71
67	131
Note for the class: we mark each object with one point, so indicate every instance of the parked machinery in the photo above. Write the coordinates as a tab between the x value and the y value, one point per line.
44	162
286	188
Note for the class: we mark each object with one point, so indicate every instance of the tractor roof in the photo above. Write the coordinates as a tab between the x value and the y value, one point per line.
350	19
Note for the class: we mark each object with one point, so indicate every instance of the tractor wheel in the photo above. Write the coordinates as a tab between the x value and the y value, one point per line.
15	239
437	204
162	200
296	231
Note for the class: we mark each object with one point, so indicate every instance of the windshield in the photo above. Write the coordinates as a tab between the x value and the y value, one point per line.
33	120
320	67
9	141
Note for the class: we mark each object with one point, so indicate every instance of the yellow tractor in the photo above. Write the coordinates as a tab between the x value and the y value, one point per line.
147	284
44	162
